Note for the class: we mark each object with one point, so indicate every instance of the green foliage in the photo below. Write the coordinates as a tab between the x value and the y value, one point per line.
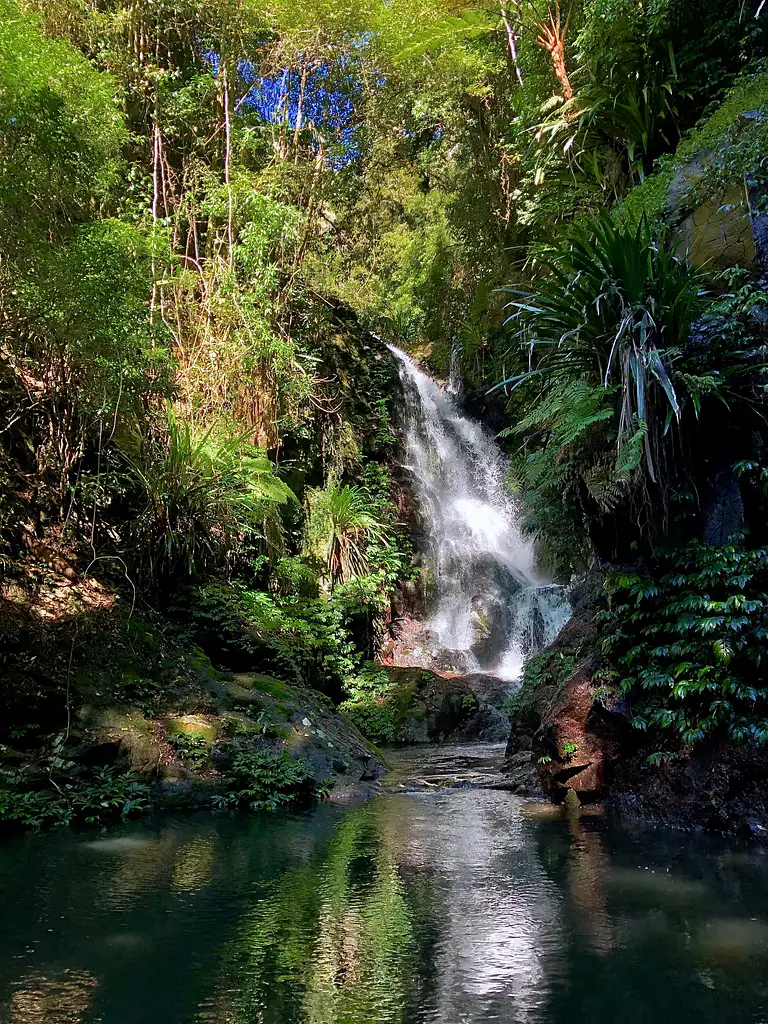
339	522
206	497
293	577
543	676
90	797
82	310
688	643
372	705
605	324
191	747
720	151
62	130
309	640
262	780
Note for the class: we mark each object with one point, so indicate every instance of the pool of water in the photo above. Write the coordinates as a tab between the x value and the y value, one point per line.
447	906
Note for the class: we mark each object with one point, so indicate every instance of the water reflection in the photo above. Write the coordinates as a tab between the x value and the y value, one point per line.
454	908
51	1000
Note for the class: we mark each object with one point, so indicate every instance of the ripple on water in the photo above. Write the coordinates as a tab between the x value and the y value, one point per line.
450	905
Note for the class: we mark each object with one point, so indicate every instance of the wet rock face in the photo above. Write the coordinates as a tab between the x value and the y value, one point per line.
565	736
568	742
434	709
583	737
718	787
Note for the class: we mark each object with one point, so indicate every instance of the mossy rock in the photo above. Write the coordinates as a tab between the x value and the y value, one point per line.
194	725
128	727
10	756
267	684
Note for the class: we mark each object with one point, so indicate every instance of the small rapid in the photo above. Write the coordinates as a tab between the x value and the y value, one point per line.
490	606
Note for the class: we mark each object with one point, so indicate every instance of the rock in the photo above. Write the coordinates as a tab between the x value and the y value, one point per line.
718	234
10	756
563	739
719	787
135	735
576	755
433	708
724	509
194	725
575	744
520	771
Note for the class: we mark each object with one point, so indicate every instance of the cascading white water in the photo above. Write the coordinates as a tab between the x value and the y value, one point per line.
492	608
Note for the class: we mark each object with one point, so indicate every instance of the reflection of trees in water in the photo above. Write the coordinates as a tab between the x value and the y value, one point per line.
588	874
330	942
430	906
364	948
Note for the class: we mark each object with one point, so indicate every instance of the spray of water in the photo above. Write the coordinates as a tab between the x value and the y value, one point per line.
492	608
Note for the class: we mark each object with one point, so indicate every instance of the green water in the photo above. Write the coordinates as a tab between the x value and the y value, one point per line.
447	907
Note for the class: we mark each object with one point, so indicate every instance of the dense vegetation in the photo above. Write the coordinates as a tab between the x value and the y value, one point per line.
213	215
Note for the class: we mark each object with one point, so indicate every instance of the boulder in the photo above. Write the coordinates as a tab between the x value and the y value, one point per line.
575	753
135	736
434	708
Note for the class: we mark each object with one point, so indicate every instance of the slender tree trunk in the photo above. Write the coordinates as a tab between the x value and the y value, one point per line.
512	43
228	160
300	113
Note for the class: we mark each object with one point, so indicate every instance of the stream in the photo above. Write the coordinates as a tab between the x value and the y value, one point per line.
452	906
444	899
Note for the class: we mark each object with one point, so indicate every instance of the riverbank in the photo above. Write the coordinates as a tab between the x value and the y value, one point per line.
572	738
110	709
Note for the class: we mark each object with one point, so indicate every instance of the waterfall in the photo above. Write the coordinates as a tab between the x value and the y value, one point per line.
491	608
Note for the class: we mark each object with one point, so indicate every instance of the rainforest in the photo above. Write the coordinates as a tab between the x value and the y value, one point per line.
383	510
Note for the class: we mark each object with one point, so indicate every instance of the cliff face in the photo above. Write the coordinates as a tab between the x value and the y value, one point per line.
572	740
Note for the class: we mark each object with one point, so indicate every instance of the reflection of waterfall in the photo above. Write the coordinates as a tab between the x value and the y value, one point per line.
498	932
491	608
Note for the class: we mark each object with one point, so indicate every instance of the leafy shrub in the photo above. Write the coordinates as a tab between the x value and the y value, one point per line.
309	640
91	797
370	705
605	323
543	674
378	703
263	781
339	523
62	130
688	644
191	747
293	577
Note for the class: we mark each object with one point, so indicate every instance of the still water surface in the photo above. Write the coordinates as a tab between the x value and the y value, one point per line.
447	907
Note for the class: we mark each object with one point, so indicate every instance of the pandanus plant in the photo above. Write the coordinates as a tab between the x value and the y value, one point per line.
613	308
203	494
339	525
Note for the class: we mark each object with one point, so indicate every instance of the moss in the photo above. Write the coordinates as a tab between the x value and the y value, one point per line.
195	726
719	151
198	660
267	684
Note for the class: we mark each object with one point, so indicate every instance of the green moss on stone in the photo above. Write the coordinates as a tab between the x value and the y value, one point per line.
194	725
